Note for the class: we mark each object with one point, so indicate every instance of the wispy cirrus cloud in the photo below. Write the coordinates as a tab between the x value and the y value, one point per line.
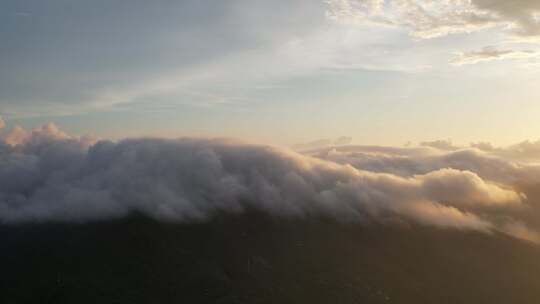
507	22
491	54
429	19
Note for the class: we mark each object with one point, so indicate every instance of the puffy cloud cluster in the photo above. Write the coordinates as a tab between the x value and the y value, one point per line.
509	166
429	19
514	167
18	136
50	176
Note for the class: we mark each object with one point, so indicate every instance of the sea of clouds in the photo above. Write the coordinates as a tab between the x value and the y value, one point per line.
47	175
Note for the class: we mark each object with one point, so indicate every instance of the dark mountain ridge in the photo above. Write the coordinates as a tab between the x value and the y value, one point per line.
253	258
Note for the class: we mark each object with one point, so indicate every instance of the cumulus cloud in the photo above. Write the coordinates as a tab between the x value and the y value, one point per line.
523	150
51	176
501	165
429	19
46	133
515	169
491	54
443	184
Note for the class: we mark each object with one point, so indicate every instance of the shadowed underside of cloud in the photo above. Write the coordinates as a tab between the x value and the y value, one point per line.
46	175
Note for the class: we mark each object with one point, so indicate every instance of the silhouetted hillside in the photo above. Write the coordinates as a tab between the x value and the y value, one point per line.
257	259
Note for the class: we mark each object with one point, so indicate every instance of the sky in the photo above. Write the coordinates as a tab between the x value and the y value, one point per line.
367	110
383	72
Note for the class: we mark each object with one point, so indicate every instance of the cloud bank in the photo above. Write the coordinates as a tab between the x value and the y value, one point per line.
47	175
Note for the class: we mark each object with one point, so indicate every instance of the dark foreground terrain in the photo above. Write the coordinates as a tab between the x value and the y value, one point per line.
255	259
